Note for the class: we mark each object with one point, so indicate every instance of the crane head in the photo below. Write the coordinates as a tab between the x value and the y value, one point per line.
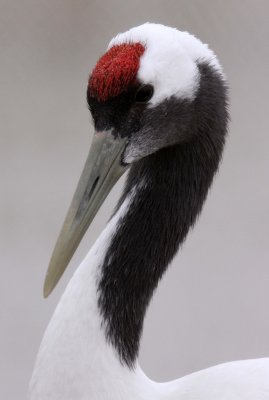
142	97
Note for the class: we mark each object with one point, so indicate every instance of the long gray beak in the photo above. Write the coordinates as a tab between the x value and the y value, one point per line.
101	171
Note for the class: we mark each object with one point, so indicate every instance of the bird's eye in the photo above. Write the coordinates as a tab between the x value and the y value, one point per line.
144	93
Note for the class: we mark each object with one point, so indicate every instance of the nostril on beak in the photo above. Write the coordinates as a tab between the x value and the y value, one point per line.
86	198
89	194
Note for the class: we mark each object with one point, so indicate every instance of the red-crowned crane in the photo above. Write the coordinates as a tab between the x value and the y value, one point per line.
158	99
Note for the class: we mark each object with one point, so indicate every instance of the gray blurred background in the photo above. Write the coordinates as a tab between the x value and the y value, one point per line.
212	305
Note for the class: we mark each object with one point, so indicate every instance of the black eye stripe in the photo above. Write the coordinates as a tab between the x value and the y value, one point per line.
144	93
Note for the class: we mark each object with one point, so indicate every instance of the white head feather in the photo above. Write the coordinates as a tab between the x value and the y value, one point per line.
169	62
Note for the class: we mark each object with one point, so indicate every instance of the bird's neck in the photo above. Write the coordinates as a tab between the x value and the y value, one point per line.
92	342
168	190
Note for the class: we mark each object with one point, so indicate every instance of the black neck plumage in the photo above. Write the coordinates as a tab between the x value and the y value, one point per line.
170	188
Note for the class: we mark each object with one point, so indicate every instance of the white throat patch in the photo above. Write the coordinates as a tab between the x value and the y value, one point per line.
169	62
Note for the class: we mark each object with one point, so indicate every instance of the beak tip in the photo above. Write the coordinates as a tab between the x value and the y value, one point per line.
47	288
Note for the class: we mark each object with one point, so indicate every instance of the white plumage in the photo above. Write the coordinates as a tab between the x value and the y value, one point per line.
76	362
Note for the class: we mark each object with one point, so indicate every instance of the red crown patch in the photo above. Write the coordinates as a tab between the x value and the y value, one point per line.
115	70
